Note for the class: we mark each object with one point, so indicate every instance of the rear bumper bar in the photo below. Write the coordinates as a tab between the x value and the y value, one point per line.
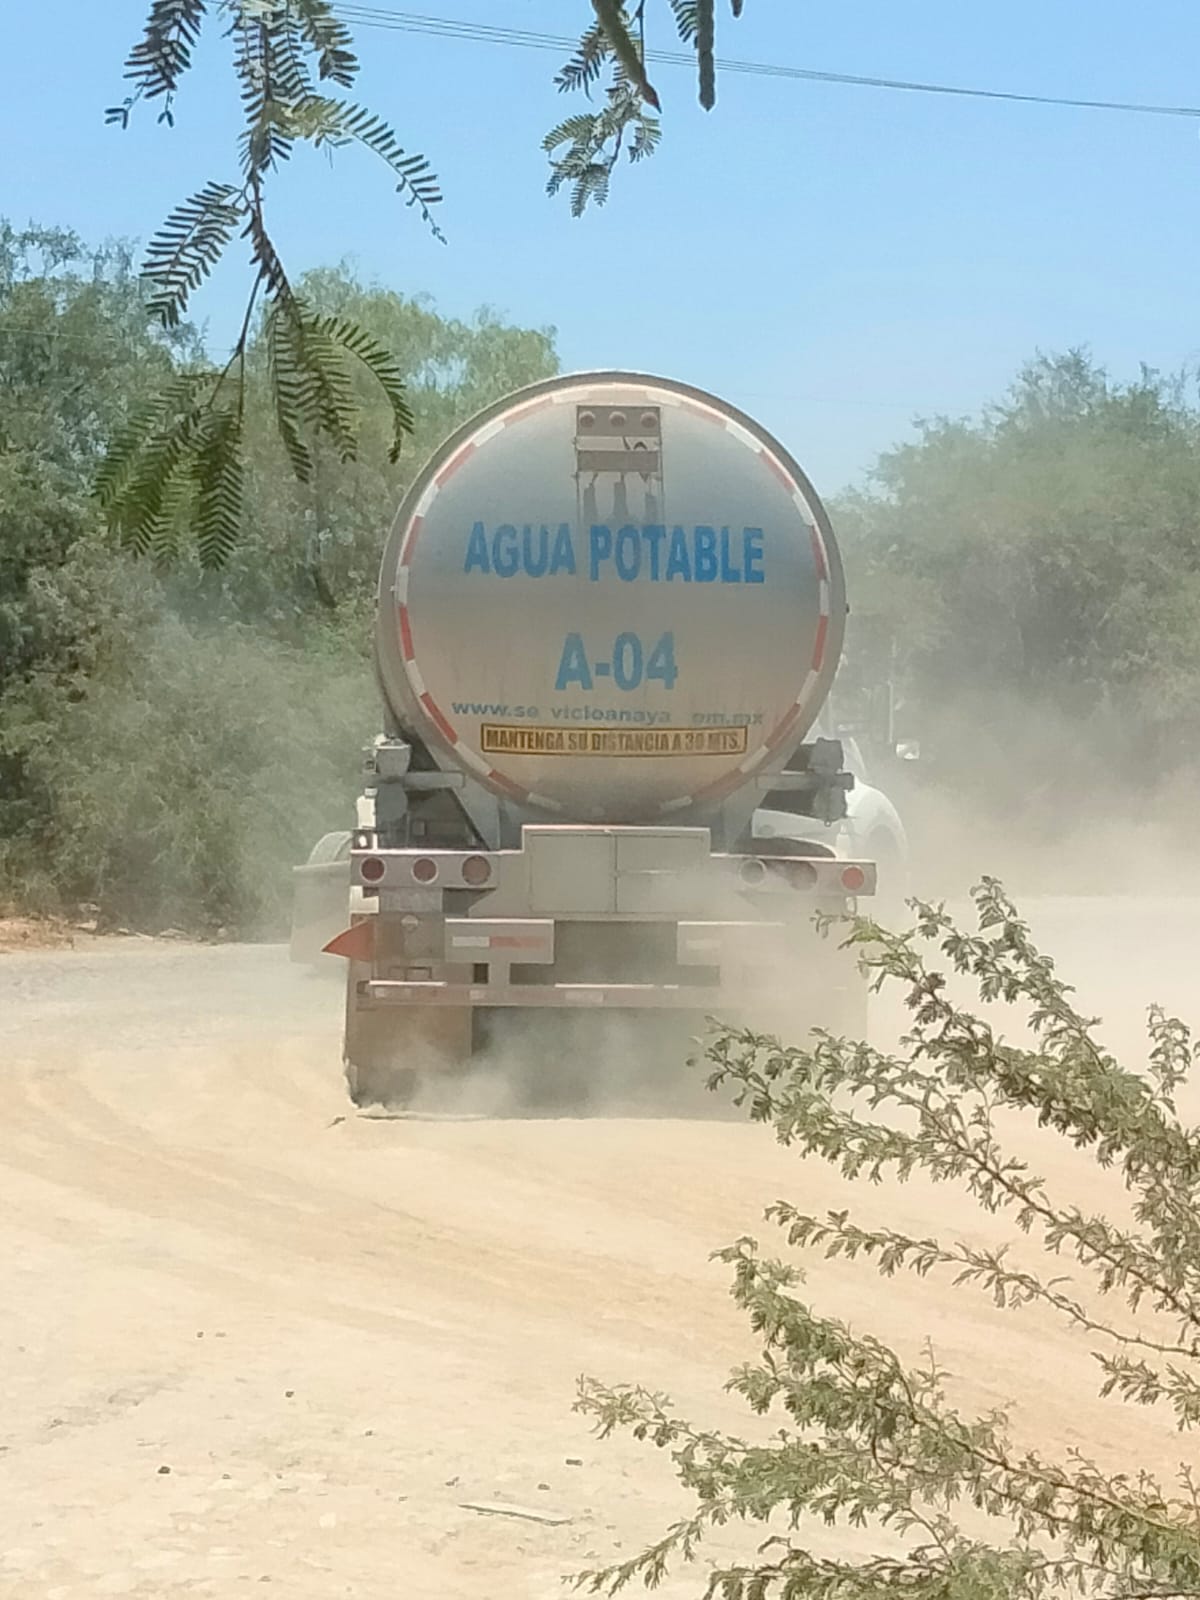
572	996
387	992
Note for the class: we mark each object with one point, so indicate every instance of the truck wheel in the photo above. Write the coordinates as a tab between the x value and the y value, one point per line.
389	1051
371	1085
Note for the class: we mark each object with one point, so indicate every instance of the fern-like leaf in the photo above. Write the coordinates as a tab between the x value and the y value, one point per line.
583	70
382	365
590	187
611	17
164	533
706	51
646	138
218	475
266	52
164	53
326	392
577	130
311	385
271	272
685	19
146	512
330	41
284	383
123	458
417	180
187	247
290	81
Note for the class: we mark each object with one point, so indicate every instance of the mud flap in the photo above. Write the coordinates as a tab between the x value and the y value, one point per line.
389	1050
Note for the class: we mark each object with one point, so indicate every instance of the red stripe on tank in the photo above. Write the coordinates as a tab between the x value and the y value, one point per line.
507	785
442	725
443	477
406	643
819	648
528	410
779	472
780	731
707	412
719	786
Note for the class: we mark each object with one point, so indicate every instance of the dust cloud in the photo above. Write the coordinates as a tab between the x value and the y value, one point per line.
295	1343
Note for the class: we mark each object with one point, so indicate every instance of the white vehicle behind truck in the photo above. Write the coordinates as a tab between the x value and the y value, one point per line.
610	610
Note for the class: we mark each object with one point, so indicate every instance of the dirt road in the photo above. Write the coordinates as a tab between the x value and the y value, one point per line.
253	1343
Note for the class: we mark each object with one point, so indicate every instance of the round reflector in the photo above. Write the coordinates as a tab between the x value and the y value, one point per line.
853	879
752	871
372	869
476	871
424	870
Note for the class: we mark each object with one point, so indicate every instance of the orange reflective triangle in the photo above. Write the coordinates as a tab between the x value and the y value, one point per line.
357	943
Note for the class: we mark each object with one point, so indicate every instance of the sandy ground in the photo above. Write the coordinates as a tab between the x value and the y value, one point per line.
251	1342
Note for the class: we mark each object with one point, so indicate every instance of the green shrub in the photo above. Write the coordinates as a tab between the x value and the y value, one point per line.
174	773
865	1441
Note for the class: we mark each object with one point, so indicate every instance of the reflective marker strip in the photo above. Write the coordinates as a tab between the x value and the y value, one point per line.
443	477
779	470
526	410
818	654
410	542
509	787
475	762
406	644
499	941
780	730
699	409
820	560
518	791
445	728
743	436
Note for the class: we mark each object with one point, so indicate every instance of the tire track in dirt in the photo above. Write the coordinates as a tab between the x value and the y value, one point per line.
334	1335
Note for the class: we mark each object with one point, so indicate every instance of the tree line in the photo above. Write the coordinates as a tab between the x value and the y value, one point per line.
1025	582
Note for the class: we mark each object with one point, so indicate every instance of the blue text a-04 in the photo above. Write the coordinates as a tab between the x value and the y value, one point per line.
627	663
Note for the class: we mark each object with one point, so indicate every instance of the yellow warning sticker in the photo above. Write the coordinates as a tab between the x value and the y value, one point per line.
506	739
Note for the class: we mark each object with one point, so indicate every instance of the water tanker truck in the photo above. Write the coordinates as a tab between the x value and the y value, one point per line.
610	610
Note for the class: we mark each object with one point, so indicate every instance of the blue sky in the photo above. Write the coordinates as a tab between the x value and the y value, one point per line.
836	260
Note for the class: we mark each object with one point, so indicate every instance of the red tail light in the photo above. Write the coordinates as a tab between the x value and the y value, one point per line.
372	869
853	879
424	870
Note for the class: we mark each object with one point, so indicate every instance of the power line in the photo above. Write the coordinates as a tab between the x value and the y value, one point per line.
517	38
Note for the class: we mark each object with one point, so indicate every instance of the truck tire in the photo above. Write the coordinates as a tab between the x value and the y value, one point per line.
390	1051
